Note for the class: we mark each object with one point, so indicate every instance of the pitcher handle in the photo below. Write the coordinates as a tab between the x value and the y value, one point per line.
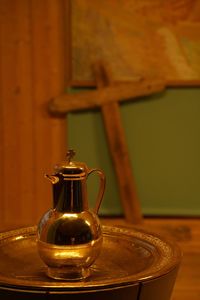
101	188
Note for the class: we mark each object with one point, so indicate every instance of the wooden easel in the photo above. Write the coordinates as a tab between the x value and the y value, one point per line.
107	97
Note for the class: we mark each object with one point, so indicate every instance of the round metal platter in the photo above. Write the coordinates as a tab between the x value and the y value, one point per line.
128	256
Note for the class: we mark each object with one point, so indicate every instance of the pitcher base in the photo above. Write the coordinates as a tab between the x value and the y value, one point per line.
68	273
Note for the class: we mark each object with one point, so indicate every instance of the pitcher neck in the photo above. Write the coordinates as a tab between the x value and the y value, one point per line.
70	196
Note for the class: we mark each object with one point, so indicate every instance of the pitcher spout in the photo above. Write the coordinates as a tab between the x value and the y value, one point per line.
53	178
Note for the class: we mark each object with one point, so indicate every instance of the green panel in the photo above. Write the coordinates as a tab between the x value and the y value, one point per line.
162	134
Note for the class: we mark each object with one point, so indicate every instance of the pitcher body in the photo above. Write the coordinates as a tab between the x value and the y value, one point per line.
69	234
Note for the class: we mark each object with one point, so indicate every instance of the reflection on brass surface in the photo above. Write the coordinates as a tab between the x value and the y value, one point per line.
59	255
69	235
127	256
69	228
71	261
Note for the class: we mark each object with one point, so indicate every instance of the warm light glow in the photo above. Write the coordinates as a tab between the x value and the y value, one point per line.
19	237
68	254
88	223
69	215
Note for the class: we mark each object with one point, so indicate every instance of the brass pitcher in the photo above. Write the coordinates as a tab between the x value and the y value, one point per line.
69	236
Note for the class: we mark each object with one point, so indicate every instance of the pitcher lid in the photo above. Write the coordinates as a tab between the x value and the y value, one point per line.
71	168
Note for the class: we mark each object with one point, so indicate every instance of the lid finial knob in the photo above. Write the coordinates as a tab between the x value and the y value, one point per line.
70	155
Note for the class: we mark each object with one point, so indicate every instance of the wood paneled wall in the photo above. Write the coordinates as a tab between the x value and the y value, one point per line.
33	69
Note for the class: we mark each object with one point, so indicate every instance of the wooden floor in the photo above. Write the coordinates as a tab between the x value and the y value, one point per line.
186	233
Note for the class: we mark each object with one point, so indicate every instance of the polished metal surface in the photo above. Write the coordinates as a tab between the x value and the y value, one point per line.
69	243
69	185
69	236
128	256
69	229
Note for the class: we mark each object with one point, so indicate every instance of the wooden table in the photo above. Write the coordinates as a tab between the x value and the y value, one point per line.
186	232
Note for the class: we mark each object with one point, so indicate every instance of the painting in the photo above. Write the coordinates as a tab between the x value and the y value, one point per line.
137	38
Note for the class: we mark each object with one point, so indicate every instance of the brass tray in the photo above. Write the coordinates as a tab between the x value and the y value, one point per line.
128	256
